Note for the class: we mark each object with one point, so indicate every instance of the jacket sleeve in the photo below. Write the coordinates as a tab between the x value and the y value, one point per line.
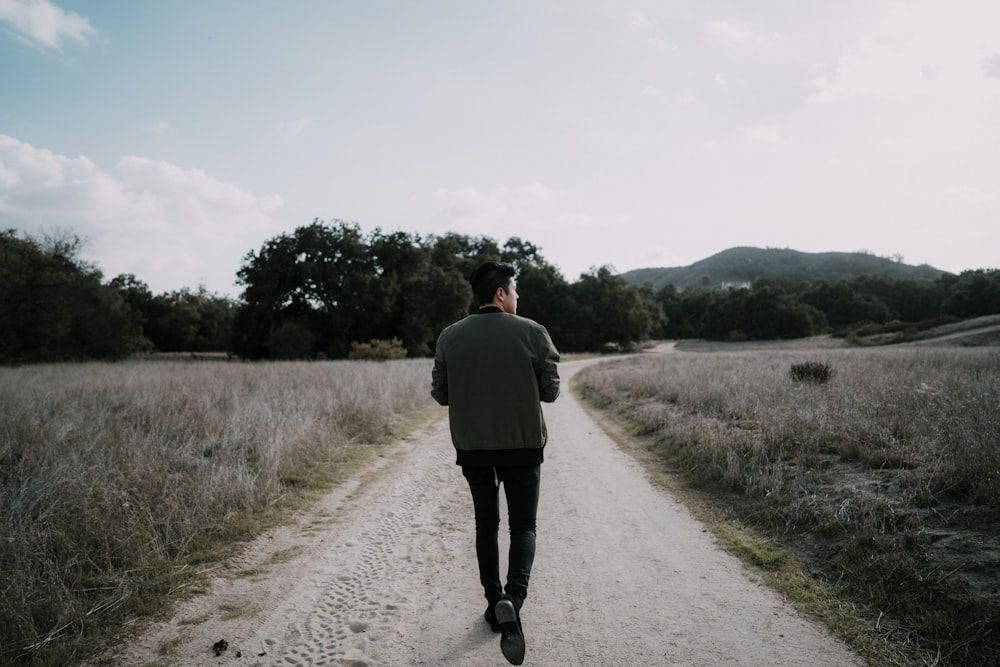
546	369
439	376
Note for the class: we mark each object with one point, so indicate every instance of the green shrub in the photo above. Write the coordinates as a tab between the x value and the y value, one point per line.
811	372
378	349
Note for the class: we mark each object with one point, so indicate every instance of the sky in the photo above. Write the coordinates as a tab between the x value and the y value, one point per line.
174	138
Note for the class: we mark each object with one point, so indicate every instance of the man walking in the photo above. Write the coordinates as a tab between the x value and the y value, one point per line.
492	369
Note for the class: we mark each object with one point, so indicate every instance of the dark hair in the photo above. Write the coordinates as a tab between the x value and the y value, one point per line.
487	278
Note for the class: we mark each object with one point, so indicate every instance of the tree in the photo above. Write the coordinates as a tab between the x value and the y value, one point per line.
910	300
324	288
458	254
606	309
974	293
721	318
844	306
186	321
139	303
54	306
760	313
421	297
771	313
320	279
544	293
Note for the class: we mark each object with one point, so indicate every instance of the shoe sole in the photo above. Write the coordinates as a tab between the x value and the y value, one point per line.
511	638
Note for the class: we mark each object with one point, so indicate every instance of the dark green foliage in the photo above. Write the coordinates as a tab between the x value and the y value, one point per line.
317	291
186	321
420	298
180	321
842	305
974	293
314	292
908	299
318	281
775	308
740	265
378	350
292	340
762	313
759	314
544	295
54	306
811	372
606	309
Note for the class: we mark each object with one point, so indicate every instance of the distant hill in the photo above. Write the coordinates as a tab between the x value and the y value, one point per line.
746	265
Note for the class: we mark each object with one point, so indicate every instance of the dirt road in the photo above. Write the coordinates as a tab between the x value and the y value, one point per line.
383	572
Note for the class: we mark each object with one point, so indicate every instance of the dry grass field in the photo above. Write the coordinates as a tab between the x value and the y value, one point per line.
120	482
878	479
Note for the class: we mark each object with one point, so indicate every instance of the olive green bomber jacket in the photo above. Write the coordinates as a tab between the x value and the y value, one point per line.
493	369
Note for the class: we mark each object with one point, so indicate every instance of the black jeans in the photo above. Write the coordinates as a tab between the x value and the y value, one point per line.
520	485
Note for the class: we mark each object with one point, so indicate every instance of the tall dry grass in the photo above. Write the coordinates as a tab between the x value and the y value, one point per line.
116	478
884	480
933	411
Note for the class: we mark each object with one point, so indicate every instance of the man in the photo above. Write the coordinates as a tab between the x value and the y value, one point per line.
492	369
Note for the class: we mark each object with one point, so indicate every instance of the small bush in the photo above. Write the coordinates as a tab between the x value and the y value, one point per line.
811	372
378	349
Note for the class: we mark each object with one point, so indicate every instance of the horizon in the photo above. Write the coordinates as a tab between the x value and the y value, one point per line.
237	294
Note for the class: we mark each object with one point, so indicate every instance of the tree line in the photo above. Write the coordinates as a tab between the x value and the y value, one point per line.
56	307
327	290
784	309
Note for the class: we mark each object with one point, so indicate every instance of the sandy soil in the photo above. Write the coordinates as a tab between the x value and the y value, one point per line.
383	572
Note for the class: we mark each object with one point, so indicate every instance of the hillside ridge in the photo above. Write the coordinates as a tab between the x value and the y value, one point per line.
743	264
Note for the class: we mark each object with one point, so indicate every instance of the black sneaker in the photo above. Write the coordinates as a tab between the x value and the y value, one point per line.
511	634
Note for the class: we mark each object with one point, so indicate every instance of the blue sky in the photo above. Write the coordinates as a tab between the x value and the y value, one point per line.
175	137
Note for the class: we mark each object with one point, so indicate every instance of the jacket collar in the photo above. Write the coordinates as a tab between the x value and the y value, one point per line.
488	309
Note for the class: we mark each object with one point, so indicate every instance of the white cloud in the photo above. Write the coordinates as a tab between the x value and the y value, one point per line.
972	194
164	129
991	66
8	177
42	23
473	209
762	133
171	227
921	48
645	28
293	128
739	35
639	23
